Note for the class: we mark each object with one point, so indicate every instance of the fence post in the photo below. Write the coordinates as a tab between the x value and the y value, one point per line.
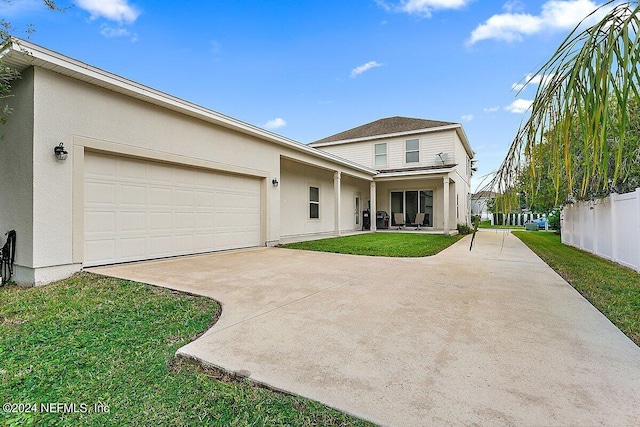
638	222
614	229
596	235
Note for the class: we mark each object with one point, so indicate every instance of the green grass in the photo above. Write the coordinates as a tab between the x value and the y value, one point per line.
89	340
381	244
610	287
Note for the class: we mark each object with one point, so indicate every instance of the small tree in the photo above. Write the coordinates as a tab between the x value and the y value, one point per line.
581	136
8	74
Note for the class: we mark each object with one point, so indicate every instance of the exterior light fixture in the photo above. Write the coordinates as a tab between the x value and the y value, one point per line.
60	152
275	182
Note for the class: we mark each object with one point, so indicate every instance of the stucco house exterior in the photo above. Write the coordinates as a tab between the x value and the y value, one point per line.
423	166
148	175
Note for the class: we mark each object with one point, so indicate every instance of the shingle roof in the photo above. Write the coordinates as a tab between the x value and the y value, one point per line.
390	125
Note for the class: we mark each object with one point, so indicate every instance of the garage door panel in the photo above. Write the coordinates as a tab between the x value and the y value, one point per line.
132	195
100	193
130	170
160	221
205	199
100	166
97	222
157	174
183	199
133	248
204	221
183	177
137	210
205	180
97	251
158	196
159	246
183	221
133	222
204	241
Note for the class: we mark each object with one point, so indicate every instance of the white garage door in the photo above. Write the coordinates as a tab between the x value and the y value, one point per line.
136	210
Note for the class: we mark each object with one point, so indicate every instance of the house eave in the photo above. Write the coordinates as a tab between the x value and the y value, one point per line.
20	55
383	176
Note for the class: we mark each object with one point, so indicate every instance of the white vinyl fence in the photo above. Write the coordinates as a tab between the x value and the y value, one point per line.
608	227
513	218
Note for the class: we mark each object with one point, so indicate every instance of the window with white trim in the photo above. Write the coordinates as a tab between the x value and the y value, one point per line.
412	150
380	152
314	202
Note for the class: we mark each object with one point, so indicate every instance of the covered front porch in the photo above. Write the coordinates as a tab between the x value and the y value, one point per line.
424	202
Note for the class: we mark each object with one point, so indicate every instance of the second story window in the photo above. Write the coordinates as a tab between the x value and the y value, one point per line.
380	154
412	151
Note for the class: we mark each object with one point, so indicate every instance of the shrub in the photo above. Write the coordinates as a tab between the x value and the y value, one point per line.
464	229
554	221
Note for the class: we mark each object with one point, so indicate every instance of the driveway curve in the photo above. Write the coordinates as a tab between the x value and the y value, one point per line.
490	337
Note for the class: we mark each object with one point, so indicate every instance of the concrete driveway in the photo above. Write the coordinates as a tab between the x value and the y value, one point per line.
490	337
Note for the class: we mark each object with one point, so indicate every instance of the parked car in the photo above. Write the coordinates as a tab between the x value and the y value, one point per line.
540	222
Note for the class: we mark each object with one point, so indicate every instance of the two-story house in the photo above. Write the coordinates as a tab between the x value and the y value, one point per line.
97	169
424	167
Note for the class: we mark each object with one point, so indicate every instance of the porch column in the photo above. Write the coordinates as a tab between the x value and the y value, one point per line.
372	197
337	176
445	204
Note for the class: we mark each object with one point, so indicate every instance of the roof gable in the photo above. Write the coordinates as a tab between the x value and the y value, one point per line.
387	126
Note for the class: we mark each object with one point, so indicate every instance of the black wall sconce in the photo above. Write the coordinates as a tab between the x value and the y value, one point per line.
275	182
60	152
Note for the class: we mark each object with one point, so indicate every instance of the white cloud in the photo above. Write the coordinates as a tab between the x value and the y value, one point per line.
467	117
422	7
111	32
518	86
555	15
364	67
491	109
113	10
513	6
519	106
531	80
275	123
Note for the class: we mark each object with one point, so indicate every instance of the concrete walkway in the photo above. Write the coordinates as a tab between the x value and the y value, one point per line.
489	337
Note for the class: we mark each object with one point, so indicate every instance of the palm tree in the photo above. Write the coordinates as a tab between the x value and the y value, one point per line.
582	134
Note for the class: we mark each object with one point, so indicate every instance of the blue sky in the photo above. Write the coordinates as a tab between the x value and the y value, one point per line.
309	69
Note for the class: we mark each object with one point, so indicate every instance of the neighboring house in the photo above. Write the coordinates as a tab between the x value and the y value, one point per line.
149	175
424	166
479	204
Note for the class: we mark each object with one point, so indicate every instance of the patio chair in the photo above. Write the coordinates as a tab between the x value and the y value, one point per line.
398	218
419	220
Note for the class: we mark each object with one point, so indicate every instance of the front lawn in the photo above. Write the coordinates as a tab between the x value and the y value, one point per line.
90	340
381	244
610	287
